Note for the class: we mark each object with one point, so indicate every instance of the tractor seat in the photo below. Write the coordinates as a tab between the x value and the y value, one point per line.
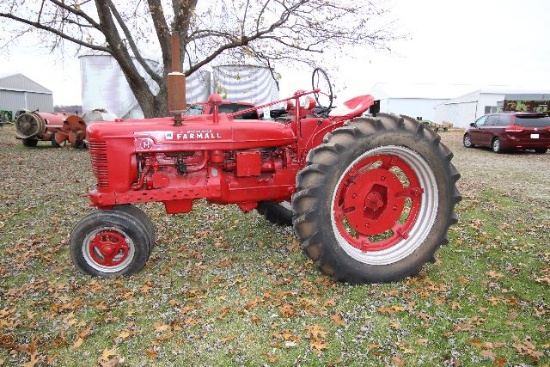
355	106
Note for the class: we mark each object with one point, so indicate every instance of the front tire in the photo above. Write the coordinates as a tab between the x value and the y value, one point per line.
143	218
375	200
109	243
467	141
277	213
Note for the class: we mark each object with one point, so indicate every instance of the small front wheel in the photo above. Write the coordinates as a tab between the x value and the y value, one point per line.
109	243
142	217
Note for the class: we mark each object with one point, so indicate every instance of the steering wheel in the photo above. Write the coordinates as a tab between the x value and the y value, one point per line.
324	98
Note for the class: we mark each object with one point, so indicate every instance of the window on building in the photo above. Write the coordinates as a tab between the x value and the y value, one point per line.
491	109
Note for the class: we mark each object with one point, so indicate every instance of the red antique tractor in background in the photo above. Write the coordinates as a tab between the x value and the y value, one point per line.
33	126
370	198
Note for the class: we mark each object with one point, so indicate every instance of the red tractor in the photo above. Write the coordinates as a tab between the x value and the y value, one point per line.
371	197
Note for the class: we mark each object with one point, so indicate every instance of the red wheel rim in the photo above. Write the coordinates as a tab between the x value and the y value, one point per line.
109	248
377	202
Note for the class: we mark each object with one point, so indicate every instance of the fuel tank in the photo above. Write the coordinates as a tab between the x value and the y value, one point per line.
194	133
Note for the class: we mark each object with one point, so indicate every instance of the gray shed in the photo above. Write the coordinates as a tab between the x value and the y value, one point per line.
17	92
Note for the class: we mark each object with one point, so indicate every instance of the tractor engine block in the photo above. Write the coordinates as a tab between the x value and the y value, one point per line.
177	178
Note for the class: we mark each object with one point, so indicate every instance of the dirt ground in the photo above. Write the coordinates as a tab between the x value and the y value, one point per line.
523	175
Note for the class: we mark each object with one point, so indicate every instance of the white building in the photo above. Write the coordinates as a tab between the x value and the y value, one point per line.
417	100
463	110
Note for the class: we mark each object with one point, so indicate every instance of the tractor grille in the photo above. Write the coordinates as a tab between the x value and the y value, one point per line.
98	154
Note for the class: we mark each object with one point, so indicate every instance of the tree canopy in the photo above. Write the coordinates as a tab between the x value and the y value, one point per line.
263	32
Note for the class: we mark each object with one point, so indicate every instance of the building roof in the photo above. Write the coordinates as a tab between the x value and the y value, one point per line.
19	82
507	91
420	90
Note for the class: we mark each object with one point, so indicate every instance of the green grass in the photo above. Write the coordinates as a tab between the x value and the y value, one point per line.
223	288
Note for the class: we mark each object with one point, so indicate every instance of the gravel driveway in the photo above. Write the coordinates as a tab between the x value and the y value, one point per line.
523	175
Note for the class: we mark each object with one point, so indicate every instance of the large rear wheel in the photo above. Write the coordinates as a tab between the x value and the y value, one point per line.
375	200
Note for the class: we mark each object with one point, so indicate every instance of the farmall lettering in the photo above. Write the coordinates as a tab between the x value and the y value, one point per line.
192	135
370	196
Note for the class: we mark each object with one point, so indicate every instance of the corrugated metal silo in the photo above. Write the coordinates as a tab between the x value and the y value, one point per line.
197	86
105	87
247	83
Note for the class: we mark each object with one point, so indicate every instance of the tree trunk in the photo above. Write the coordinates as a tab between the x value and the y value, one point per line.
161	101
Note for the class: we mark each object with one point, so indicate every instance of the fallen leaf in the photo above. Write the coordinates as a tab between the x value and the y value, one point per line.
316	332
125	334
228	339
392	310
79	341
318	346
107	353
337	319
164	337
161	327
422	341
151	353
527	348
34	360
488	354
398	361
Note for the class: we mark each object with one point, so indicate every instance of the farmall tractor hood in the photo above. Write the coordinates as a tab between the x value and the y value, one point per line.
194	133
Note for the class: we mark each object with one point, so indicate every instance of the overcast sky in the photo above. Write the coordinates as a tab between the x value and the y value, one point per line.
479	42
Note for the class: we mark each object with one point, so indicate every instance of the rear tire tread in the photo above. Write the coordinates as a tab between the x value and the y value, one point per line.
307	224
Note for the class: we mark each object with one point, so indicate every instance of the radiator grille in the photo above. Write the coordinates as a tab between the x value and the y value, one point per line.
98	154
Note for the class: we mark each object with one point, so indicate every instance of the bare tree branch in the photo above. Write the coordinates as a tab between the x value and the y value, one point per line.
55	32
155	76
261	32
121	54
76	11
